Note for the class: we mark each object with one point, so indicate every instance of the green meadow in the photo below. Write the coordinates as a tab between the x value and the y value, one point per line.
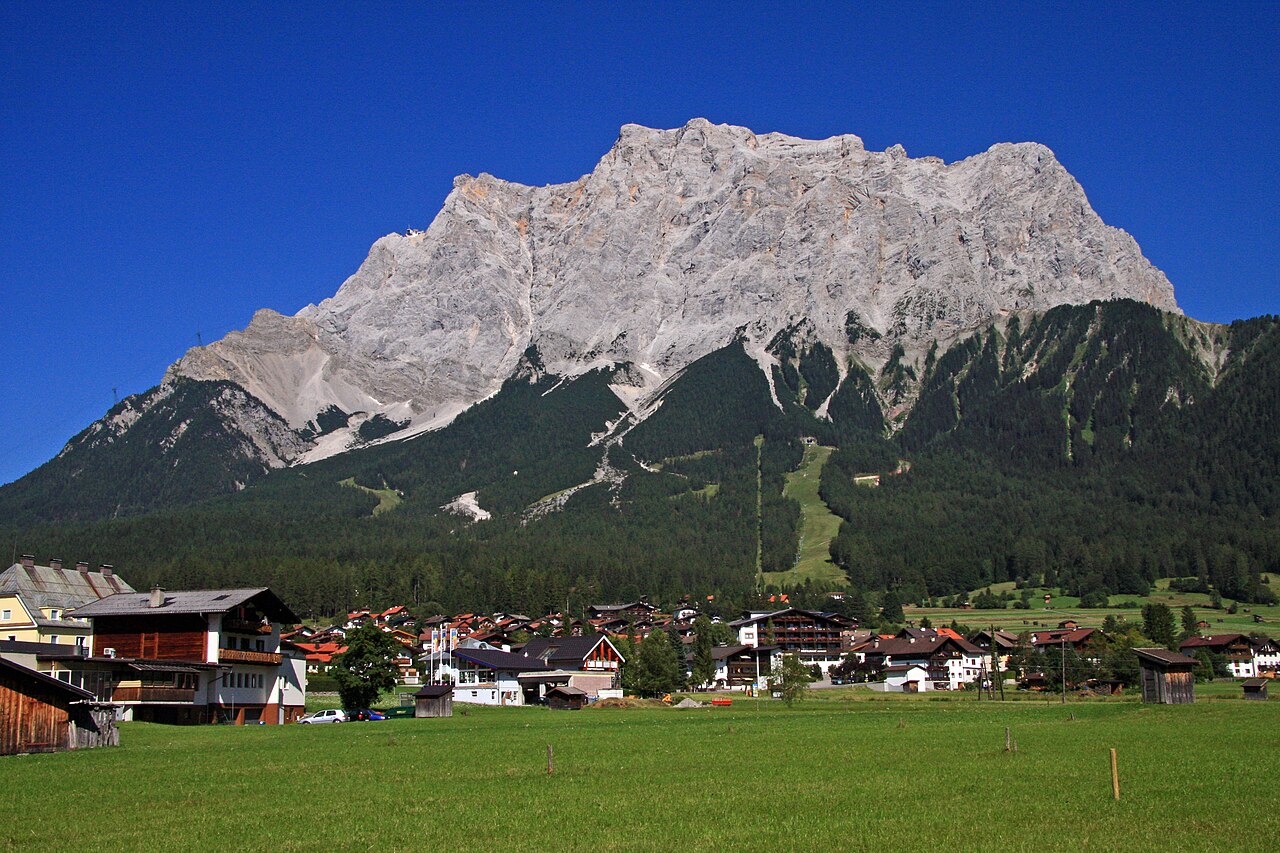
850	771
819	525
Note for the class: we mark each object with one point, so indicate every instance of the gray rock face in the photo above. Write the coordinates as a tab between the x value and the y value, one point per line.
675	243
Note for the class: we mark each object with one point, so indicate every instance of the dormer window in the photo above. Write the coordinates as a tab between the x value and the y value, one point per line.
55	614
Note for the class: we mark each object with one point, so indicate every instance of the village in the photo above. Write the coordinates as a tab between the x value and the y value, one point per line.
85	650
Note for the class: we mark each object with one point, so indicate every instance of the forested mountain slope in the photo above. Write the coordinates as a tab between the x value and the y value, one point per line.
1100	446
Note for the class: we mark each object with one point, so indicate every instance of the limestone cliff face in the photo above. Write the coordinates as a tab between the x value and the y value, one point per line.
678	241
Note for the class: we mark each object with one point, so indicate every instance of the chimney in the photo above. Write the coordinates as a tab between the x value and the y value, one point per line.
55	563
82	566
106	568
28	560
157	597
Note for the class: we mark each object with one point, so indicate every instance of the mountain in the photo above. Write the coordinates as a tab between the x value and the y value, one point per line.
678	242
601	387
1096	447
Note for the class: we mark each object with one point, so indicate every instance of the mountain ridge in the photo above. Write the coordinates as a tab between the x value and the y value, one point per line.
674	243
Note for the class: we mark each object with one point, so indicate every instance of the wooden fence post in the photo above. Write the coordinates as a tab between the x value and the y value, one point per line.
551	760
1115	776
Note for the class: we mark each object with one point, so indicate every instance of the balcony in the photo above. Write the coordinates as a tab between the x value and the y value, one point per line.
240	656
153	694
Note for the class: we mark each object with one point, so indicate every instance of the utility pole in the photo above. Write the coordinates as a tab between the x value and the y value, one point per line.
1064	669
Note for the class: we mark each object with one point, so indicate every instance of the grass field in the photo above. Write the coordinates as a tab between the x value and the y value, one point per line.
1064	607
840	773
818	526
388	499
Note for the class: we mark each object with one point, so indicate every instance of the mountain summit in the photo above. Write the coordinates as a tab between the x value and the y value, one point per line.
676	243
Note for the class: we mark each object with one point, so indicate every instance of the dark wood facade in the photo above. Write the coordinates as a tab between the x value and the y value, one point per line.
566	699
41	714
179	636
1255	688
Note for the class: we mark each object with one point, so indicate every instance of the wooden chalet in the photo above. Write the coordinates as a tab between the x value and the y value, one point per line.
1076	638
1168	678
592	653
39	713
815	638
628	612
195	656
950	660
433	700
1247	657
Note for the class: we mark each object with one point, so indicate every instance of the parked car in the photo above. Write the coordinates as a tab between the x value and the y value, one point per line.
365	715
330	715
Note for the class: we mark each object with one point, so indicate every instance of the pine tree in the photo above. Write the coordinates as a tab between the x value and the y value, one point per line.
659	668
891	608
1158	625
1189	628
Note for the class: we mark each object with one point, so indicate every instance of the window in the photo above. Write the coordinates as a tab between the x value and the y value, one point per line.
53	639
261	645
54	614
80	642
6	615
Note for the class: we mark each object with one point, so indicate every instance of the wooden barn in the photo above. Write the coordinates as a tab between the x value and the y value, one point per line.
1255	688
42	714
433	700
566	699
1168	678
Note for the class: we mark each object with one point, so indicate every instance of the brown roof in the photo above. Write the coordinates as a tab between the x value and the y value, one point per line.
1164	656
1210	642
1255	682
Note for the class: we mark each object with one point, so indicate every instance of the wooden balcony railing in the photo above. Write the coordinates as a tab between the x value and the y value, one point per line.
240	656
153	694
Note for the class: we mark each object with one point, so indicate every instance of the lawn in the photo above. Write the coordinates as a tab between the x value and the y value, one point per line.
818	526
847	772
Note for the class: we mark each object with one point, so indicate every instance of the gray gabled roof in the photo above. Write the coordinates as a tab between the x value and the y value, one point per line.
494	659
63	588
190	601
562	650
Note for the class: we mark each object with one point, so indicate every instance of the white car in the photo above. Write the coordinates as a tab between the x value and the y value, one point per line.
330	716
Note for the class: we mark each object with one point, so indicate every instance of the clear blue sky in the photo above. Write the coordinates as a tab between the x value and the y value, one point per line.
168	168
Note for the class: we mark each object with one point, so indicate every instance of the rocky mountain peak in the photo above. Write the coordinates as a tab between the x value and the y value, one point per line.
678	241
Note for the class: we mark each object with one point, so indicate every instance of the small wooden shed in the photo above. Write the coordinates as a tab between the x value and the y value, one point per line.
566	699
39	713
433	700
1255	688
1168	678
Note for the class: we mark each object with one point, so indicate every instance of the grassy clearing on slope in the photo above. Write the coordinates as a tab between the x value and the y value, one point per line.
818	526
388	499
1063	608
897	775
